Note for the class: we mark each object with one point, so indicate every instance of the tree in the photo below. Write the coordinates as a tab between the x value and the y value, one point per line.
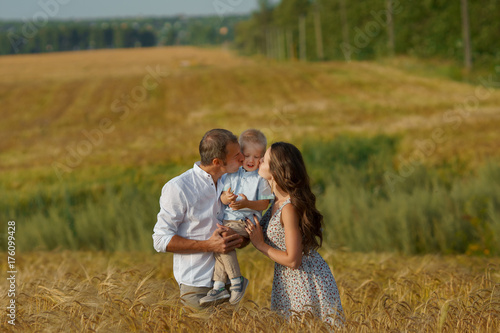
147	38
252	34
290	15
466	35
318	31
345	31
390	27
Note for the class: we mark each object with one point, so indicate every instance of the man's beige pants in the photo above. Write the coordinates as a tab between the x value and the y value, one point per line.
191	295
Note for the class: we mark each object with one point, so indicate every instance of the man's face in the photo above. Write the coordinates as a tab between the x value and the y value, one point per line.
234	158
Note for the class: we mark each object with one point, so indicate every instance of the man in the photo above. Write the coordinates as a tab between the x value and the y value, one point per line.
190	211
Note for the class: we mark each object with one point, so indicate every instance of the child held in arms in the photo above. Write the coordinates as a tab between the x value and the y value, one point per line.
245	195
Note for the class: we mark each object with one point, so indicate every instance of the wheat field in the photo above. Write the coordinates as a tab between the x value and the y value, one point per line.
51	102
54	104
135	292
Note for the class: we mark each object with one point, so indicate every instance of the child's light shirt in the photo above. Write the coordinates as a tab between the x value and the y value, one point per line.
253	186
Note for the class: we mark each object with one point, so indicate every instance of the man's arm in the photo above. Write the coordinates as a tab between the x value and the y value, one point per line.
172	214
216	243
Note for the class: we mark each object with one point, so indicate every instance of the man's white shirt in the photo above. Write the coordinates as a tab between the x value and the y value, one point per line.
190	207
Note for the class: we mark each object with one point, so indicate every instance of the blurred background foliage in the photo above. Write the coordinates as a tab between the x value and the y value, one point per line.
430	28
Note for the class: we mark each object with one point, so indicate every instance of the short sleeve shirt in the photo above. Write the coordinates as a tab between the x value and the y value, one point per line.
253	186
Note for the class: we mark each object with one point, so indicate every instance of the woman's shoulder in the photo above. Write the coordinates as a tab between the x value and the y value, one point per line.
288	207
289	212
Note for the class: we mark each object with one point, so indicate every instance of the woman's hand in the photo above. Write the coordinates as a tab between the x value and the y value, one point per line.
255	232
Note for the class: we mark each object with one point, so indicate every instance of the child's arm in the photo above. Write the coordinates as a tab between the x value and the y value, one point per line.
227	197
259	205
292	257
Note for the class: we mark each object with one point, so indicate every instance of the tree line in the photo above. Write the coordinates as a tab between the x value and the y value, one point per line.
461	30
63	35
341	29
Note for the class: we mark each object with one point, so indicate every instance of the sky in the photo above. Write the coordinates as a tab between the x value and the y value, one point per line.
81	9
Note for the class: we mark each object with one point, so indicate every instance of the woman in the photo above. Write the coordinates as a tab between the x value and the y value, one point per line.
292	227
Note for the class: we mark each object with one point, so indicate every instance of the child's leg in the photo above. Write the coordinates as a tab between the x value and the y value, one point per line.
238	283
230	264
237	226
218	293
230	260
220	275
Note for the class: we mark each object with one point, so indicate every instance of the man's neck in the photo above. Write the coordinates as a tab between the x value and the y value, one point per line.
213	171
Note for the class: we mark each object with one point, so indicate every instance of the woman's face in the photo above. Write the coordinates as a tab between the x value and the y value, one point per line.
264	171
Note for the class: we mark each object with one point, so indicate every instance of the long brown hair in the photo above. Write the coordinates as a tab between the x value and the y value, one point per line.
289	172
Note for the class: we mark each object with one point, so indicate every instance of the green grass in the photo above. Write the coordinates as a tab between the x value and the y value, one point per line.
443	209
443	68
93	209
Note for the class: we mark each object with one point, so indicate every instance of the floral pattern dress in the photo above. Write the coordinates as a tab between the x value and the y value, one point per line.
311	287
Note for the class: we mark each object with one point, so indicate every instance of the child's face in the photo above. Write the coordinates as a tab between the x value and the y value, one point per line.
252	154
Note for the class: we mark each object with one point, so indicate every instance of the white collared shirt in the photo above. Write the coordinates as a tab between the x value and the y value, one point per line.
189	207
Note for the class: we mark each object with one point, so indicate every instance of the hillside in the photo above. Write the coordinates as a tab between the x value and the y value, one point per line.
88	139
147	106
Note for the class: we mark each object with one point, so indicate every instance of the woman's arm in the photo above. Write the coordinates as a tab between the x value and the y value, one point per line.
292	257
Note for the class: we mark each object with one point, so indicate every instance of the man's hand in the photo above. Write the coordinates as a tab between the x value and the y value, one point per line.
245	240
224	240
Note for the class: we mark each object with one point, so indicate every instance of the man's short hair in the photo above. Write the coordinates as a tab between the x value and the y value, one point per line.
214	145
253	136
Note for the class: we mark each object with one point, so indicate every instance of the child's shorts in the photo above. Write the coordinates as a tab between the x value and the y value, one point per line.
237	225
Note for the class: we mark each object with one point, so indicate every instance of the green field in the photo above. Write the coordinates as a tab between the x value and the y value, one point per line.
404	164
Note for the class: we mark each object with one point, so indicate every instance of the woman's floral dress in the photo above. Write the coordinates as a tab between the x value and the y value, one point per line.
311	287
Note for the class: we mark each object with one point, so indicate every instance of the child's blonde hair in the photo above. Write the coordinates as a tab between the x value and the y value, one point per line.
254	136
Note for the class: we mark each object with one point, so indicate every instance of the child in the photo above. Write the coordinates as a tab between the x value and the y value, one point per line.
245	195
289	234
